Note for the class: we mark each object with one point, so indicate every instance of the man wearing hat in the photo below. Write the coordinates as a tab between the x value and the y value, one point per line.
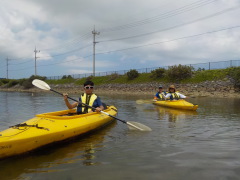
160	95
173	95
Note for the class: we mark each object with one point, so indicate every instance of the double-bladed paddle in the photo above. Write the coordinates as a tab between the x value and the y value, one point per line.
132	125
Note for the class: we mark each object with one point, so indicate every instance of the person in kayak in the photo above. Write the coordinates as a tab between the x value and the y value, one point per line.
160	95
88	97
173	95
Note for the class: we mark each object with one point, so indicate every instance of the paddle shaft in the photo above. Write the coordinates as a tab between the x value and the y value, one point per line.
42	85
89	106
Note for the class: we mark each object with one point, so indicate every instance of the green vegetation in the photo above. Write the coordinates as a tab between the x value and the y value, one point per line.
158	73
207	75
61	81
12	83
179	74
67	77
132	74
234	73
25	83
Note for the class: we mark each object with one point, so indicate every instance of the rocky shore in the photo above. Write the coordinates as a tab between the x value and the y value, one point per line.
225	89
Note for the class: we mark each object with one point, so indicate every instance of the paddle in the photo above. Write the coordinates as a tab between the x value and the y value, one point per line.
132	125
143	101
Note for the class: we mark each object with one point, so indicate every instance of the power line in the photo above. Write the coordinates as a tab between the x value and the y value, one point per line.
20	63
72	42
173	27
162	16
135	47
68	51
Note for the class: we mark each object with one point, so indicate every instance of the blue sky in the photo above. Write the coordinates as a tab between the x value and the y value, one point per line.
134	34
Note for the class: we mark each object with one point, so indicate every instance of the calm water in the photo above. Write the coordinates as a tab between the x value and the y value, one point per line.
182	144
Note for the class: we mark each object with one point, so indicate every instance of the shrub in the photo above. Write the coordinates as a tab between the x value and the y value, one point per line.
132	74
201	69
12	83
5	81
21	81
64	77
158	73
28	82
234	73
69	77
89	78
180	72
113	76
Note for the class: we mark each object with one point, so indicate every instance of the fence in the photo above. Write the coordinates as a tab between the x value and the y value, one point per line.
203	66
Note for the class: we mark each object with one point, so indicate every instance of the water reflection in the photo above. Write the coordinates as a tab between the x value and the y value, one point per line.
55	157
173	115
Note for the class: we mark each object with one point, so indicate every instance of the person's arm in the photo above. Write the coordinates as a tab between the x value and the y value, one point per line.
100	108
99	105
182	96
70	106
167	96
164	95
156	96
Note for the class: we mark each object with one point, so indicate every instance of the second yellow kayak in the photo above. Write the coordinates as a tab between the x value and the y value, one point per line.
177	104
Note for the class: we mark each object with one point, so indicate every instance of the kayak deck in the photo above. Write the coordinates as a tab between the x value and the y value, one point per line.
50	127
177	104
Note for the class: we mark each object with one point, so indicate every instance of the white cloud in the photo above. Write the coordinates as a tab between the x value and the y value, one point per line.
61	30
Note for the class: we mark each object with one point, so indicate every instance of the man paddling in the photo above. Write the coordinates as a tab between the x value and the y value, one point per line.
88	97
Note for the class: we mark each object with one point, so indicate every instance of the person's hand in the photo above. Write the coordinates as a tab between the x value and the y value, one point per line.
98	109
65	96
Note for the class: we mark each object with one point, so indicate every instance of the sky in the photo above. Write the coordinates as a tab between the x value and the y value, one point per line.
129	34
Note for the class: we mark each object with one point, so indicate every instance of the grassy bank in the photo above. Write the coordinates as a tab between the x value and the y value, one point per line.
197	77
155	76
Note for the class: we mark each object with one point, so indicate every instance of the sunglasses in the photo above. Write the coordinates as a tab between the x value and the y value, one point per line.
88	87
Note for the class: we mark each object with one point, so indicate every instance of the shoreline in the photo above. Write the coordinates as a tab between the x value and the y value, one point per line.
223	89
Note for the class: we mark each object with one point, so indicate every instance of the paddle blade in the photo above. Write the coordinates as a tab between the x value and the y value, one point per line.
41	84
142	101
138	126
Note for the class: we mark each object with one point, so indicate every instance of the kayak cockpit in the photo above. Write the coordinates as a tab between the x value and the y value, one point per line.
67	114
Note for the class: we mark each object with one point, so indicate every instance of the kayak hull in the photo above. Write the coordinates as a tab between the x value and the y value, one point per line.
48	128
177	104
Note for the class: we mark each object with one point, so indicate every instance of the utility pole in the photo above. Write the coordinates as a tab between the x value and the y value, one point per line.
36	51
94	43
7	67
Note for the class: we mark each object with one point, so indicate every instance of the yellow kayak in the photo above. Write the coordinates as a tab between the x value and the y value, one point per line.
177	104
50	127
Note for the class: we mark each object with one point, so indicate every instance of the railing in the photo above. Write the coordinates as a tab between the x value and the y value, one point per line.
205	66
